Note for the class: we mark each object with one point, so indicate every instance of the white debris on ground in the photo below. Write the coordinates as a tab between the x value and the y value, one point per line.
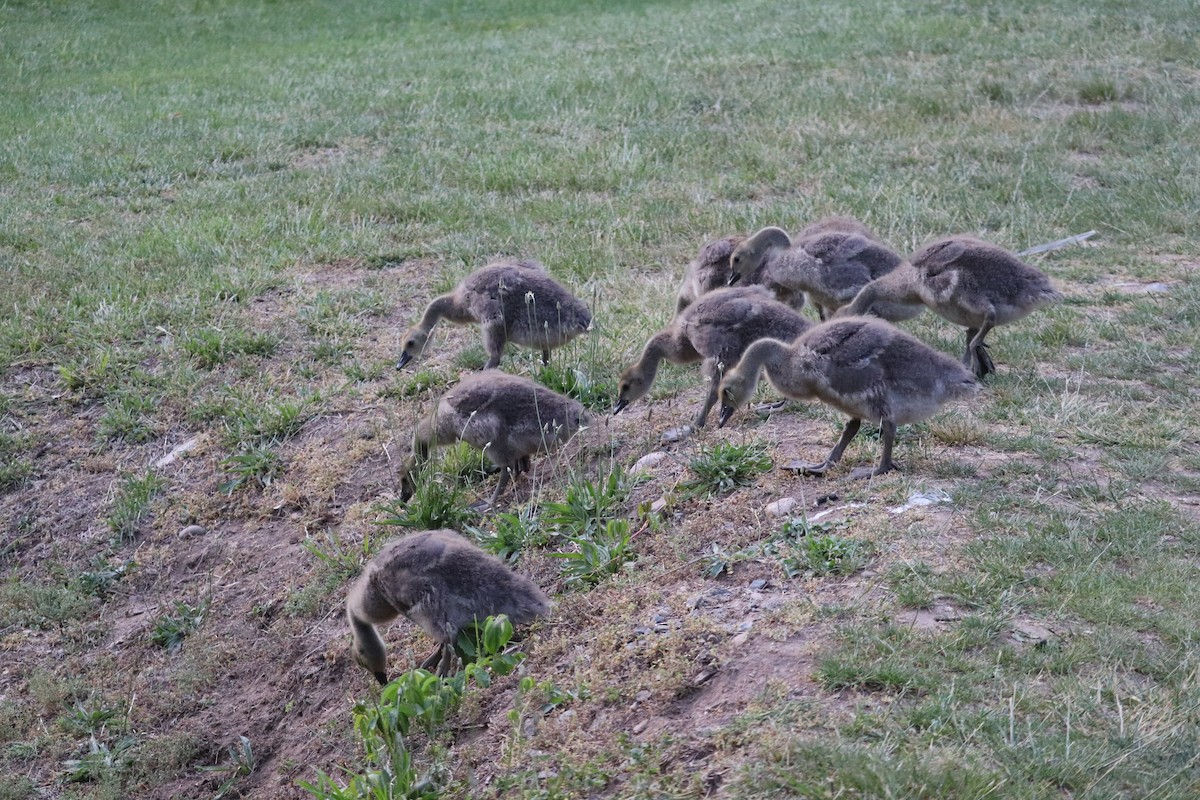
179	450
921	499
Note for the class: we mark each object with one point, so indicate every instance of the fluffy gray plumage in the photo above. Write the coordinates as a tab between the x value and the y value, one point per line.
517	302
711	270
716	329
508	417
970	282
830	266
444	584
865	368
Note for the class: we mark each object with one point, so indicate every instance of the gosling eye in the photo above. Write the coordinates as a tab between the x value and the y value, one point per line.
410	343
737	260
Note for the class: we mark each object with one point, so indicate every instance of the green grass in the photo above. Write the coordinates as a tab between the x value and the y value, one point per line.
216	219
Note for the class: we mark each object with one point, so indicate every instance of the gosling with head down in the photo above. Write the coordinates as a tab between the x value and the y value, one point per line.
863	367
509	417
970	282
711	270
716	330
830	266
443	583
516	302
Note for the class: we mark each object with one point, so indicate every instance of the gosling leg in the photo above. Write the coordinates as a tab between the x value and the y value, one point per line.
835	455
977	358
714	386
887	434
434	658
493	342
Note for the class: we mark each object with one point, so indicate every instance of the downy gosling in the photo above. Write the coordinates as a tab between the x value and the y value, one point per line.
443	583
865	368
509	417
967	281
517	302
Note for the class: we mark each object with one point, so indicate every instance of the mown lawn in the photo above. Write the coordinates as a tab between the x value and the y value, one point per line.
217	217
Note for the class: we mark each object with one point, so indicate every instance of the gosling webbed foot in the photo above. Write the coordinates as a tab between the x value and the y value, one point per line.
982	363
861	473
433	658
819	468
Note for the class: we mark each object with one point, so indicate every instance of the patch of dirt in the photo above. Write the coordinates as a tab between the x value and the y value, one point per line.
664	652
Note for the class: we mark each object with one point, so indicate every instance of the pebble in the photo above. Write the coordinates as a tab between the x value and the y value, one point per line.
703	676
192	531
740	639
676	434
710	597
641	726
642	696
782	507
648	461
758	584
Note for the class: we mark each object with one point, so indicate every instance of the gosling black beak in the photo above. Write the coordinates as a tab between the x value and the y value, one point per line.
382	678
404	359
723	417
619	406
734	278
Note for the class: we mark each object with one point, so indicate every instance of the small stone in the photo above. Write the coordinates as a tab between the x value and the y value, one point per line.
648	461
642	696
758	584
676	434
782	507
191	531
703	677
658	505
1032	632
659	619
740	639
565	717
641	726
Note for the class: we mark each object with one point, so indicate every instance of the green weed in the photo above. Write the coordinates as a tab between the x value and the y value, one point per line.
511	532
723	467
242	762
212	347
415	700
437	503
587	505
596	554
259	464
171	629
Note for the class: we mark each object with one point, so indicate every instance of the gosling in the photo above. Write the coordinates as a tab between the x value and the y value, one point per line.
508	417
831	267
715	330
444	584
863	367
711	270
516	302
967	281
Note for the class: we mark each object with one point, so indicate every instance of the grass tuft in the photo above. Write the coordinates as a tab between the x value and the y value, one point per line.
723	467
